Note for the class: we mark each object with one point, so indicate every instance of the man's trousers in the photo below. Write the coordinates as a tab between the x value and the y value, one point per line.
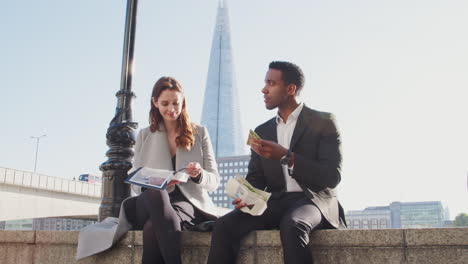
293	213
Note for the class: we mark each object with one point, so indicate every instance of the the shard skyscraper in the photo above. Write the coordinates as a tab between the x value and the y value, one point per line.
221	106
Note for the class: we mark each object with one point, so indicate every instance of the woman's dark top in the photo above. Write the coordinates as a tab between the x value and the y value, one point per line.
176	195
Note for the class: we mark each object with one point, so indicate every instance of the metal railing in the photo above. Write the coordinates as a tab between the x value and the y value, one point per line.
45	182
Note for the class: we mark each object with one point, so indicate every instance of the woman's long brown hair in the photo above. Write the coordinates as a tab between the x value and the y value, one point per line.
184	126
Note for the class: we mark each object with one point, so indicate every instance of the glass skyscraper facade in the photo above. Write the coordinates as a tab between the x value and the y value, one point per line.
418	214
221	107
221	113
398	215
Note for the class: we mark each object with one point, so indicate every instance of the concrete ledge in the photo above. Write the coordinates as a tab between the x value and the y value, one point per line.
436	237
359	238
444	245
10	236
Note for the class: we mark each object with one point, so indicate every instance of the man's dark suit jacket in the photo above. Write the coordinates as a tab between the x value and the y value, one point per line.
316	146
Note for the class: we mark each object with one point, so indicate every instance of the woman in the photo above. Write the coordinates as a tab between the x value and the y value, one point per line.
172	142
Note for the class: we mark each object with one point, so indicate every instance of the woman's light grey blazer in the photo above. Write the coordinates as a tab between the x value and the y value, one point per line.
152	150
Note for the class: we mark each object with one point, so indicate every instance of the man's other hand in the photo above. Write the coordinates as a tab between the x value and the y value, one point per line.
238	203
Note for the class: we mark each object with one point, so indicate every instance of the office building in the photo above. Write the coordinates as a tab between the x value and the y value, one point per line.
418	214
229	167
378	217
399	215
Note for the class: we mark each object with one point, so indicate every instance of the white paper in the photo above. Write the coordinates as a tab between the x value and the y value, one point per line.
255	199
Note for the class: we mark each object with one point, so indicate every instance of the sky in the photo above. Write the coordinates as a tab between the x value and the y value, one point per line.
394	73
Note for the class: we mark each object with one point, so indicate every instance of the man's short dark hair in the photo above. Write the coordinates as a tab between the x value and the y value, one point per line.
290	73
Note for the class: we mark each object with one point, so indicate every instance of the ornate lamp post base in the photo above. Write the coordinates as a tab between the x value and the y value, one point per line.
121	132
120	139
110	205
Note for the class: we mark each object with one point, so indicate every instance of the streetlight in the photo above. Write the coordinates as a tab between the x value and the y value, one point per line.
37	148
121	132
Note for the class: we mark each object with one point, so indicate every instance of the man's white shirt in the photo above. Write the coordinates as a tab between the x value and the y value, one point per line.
284	132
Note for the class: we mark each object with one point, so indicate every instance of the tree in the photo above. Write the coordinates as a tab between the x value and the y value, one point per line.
461	220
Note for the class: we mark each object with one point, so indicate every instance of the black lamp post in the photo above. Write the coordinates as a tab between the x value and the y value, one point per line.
121	132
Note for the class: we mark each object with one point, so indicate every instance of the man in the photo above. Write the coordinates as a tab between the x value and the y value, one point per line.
298	160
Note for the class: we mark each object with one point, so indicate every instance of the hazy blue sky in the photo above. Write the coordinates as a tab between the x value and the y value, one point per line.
395	74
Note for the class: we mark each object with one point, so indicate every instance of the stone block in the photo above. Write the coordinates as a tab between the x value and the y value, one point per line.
436	236
438	255
195	255
137	238
117	255
250	240
357	255
196	239
361	238
16	253
246	255
267	238
57	237
129	238
54	253
137	254
88	260
268	255
13	236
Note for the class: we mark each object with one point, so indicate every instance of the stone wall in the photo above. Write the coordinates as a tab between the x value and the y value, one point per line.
428	246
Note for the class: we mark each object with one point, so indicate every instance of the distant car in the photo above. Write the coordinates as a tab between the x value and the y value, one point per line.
90	178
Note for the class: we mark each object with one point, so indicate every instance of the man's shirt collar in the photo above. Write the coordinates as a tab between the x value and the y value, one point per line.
293	116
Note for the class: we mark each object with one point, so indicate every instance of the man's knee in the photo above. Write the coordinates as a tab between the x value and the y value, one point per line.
222	224
227	225
292	228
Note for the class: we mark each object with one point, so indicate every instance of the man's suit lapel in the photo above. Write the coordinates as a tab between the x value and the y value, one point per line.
270	132
274	171
301	126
